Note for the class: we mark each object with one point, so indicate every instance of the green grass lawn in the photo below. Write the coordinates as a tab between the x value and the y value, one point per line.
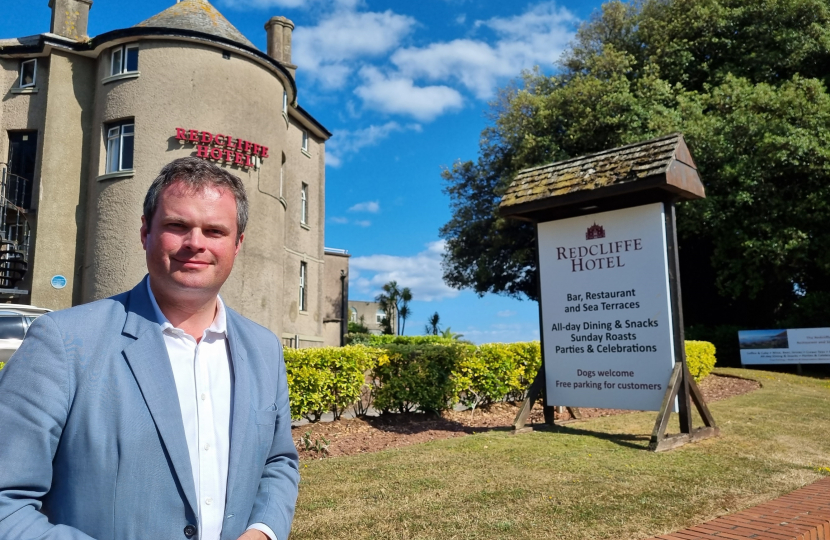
592	479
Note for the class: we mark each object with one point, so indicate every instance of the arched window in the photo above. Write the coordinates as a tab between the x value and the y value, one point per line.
353	314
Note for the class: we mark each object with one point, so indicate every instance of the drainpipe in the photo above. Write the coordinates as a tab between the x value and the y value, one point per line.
344	308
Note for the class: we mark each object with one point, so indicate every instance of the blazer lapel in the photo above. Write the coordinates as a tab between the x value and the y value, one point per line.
241	404
150	365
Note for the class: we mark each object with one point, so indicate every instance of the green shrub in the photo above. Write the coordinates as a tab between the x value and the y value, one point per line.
497	371
700	357
327	378
375	340
418	377
2	365
723	337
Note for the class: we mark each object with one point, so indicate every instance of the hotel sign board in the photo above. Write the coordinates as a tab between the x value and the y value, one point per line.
223	148
606	309
793	346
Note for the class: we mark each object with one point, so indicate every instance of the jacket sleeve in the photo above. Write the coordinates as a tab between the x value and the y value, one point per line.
35	393
277	493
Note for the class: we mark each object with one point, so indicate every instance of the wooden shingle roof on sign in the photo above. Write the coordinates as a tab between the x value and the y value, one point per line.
658	169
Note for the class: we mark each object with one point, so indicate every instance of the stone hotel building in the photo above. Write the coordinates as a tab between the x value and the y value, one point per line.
86	123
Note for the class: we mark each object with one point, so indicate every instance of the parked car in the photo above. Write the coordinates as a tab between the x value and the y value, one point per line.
15	320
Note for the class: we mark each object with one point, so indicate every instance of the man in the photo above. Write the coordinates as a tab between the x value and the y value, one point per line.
159	413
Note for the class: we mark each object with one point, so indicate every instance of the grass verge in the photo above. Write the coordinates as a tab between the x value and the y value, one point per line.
591	479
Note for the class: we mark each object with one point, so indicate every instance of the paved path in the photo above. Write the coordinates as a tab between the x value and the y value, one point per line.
803	514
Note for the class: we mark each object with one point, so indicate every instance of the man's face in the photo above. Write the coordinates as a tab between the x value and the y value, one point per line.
191	241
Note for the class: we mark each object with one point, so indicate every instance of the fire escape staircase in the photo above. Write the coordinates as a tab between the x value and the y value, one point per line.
15	232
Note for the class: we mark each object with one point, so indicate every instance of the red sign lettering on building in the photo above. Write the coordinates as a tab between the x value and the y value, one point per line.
225	148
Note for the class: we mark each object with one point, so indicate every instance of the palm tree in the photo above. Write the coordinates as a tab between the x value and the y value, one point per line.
403	308
432	328
448	333
395	303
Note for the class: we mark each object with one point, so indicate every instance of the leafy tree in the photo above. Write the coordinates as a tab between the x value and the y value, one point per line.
432	328
744	80
394	301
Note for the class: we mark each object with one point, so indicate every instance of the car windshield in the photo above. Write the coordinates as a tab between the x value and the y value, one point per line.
12	327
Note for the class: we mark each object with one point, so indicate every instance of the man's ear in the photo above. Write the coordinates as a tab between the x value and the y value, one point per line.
239	244
144	231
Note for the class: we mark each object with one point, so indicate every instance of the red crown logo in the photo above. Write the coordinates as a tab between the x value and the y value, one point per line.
595	231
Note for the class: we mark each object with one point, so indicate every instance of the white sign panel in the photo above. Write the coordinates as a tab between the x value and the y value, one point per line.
606	309
794	346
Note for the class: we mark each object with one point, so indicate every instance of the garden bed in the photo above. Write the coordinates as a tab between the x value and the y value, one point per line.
371	434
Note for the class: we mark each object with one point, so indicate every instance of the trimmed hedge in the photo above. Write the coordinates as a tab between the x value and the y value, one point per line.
497	371
428	377
700	357
375	340
327	378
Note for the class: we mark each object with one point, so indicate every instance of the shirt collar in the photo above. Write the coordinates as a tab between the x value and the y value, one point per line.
218	326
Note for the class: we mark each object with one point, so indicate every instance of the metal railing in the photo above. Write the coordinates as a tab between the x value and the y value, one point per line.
15	233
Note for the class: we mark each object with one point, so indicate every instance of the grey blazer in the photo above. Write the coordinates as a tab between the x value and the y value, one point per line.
92	442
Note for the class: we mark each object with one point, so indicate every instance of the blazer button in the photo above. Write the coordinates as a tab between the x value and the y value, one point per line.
189	531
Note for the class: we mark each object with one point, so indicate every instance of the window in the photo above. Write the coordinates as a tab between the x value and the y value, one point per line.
353	314
305	141
284	102
303	272
28	73
304	205
120	147
124	59
379	316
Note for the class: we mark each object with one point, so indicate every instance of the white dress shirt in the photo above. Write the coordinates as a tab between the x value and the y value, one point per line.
204	382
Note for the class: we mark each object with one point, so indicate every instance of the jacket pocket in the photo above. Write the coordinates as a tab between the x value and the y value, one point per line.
268	417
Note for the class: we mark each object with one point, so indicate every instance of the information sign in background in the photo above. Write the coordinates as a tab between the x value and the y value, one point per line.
794	346
606	309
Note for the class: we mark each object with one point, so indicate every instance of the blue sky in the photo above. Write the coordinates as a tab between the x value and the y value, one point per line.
404	88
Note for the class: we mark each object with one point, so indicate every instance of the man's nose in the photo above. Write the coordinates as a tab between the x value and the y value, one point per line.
194	240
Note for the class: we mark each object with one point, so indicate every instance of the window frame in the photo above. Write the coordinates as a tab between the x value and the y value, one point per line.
34	74
110	137
123	52
303	292
353	314
284	102
304	204
304	144
379	316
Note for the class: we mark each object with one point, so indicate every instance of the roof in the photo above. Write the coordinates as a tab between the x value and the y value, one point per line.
663	163
198	16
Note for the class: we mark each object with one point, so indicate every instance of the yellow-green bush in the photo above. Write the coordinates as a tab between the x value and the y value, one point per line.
430	377
418	377
327	378
700	357
497	371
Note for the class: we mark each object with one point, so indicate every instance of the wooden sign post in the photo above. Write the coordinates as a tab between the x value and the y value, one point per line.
610	305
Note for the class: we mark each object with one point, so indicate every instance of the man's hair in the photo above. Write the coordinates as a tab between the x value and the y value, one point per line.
197	174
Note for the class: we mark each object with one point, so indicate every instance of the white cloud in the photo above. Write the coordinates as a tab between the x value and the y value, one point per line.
329	51
345	142
536	37
373	207
338	220
421	273
506	313
501	333
363	223
399	95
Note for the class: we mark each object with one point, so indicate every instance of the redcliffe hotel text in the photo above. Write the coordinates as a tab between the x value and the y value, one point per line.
602	256
220	147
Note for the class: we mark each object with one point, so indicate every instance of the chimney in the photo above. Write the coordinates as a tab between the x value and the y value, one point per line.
279	31
70	17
